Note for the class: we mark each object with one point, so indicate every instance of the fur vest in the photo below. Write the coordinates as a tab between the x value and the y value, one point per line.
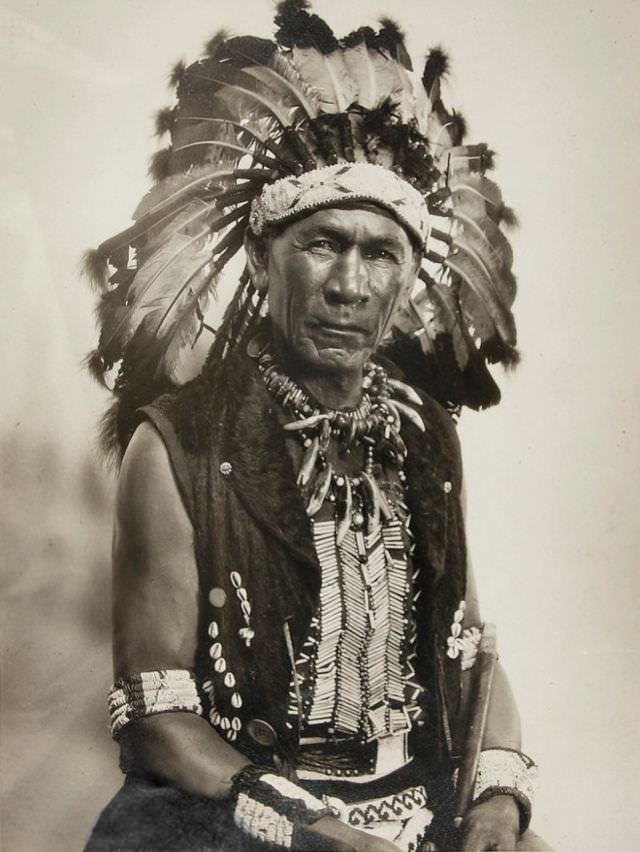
251	532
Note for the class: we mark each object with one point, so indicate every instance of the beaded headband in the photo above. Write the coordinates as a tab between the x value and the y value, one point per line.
291	197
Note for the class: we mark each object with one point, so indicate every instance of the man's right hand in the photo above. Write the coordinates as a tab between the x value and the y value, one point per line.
329	834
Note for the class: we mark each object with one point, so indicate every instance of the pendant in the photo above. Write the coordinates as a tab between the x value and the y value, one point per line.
320	490
308	463
342	526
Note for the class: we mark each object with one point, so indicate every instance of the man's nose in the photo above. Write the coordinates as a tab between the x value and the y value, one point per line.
348	283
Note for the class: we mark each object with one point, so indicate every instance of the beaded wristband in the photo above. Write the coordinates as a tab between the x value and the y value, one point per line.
149	693
507	772
268	806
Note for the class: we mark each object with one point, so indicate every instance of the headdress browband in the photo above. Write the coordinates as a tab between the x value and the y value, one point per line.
291	197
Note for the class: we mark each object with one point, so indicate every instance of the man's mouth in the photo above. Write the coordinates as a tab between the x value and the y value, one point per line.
339	329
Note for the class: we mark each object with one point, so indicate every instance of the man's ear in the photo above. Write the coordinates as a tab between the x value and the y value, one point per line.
256	251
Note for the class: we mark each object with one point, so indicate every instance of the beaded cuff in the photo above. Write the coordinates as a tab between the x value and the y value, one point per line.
148	693
267	806
507	772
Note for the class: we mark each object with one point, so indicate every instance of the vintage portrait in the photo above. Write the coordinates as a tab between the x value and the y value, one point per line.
319	426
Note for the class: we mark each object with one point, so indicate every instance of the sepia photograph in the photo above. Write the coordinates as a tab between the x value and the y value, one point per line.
319	440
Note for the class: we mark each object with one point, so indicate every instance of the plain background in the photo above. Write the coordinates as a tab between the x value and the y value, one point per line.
551	473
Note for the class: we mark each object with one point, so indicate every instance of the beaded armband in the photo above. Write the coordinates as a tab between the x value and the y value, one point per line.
148	693
268	807
510	773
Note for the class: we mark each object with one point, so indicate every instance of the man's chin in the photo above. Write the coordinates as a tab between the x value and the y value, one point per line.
338	359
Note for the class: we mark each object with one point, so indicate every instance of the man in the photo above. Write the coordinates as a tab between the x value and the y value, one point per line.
295	623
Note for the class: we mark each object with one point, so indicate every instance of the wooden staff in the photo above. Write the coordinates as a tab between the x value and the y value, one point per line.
484	670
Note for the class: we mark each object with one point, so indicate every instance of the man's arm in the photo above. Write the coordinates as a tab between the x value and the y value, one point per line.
155	618
495	823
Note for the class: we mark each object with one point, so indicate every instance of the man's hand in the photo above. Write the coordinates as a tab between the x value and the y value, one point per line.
331	835
494	824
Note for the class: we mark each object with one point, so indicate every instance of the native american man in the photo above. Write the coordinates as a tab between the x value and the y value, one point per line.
295	621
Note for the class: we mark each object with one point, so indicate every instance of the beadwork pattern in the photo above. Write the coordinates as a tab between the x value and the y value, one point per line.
148	693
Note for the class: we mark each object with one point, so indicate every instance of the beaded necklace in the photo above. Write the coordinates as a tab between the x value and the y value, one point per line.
360	502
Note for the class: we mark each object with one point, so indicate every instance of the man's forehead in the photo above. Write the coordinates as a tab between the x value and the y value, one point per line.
356	218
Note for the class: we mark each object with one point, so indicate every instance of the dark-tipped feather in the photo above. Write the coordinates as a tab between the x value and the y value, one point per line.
109	436
436	67
391	38
176	75
165	120
508	216
488	159
95	268
160	165
298	28
458	128
212	47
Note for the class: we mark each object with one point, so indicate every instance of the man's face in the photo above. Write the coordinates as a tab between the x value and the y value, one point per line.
334	280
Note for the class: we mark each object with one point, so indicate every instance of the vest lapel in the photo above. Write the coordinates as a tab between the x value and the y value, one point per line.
262	469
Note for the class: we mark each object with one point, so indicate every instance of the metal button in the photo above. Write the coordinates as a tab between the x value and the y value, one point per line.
225	468
447	486
217	597
262	732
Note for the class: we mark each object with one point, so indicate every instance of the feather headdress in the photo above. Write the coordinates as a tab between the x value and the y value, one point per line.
254	111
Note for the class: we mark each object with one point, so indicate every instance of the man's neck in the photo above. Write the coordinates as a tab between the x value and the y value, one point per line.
341	390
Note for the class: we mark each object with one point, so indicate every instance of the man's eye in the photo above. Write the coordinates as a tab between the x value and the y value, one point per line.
323	245
381	254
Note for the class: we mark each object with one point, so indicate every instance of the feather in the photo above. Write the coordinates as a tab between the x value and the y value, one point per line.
457	128
164	120
177	73
507	215
214	45
378	80
476	195
243	130
240	150
291	84
95	268
160	165
490	262
328	75
447	316
435	70
475	275
234	83
298	28
154	284
391	38
248	50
